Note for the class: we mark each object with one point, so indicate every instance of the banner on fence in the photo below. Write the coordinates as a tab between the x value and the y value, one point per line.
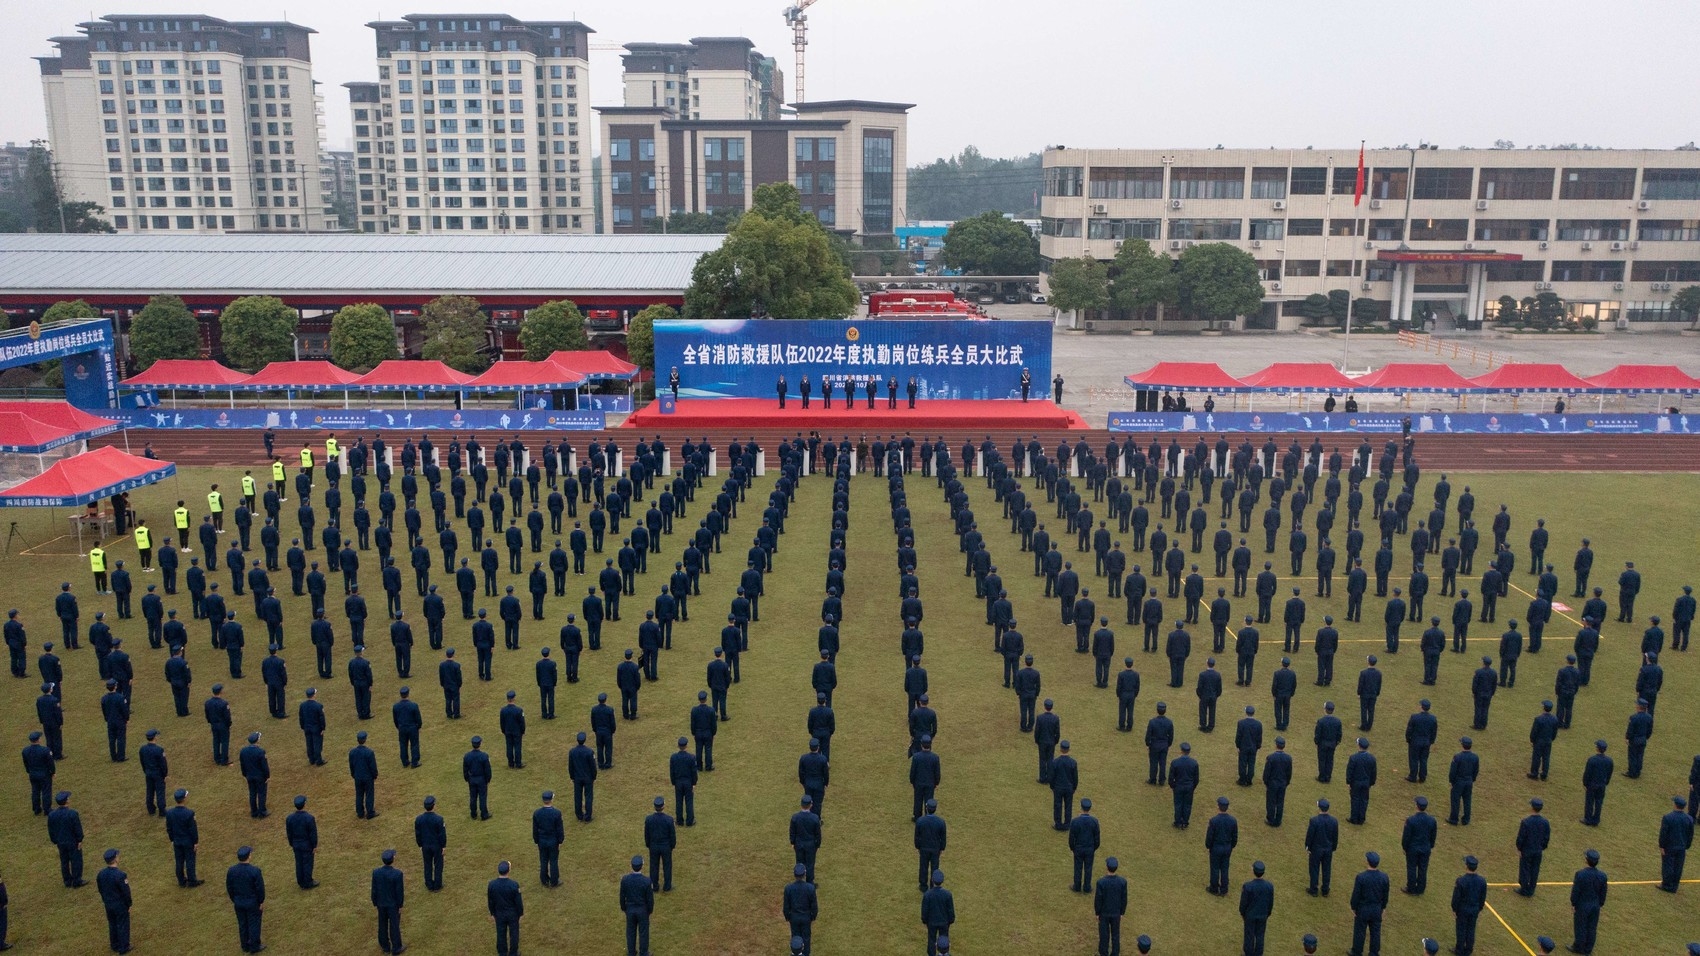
948	358
1443	423
508	419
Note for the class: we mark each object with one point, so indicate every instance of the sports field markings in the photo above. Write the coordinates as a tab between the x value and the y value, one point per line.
1555	607
1508	929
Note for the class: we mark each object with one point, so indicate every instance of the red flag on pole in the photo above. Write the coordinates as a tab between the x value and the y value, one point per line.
1358	192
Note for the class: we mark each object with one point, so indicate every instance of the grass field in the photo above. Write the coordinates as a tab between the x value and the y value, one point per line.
1008	869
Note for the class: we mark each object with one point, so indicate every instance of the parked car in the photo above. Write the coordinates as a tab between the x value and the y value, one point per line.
1011	298
987	299
1037	298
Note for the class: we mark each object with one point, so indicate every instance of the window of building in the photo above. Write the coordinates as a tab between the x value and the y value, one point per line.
1269	228
1589	230
1587	270
1668	230
806	183
1304	227
1063	180
1586	183
1344	227
878	151
1388	184
622	182
1670	184
1511	230
1346	181
1302	268
1211	230
1387	230
1123	229
619	149
1122	182
1654	271
1062	228
646	150
1343	267
1269	182
826	183
1440	230
1207	182
804	147
1525	271
1309	181
1443	183
1515	183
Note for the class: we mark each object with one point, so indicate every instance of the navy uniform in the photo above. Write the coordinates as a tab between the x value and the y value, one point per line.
184	835
363	768
1360	778
581	769
1418	839
660	837
1083	842
1277	776
475	770
65	832
256	770
1461	776
1109	903
1469	897
1533	835
1257	902
388	896
114	887
245	886
431	835
154	771
806	836
1322	838
1183	781
800	906
1421	730
1370	893
1587	898
505	907
938	914
637	902
1220	837
1327	736
1596	775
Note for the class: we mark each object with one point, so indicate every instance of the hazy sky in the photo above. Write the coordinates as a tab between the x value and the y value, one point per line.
1011	77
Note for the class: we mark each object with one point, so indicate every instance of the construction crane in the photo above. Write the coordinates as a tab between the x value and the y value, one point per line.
799	38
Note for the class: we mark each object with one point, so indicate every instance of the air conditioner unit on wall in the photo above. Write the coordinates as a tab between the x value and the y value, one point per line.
1366	286
1469	245
1543	245
1369	245
1618	286
1257	243
1543	287
1587	246
1280	204
1661	287
1176	245
1274	287
1617	247
1100	209
1643	205
1481	205
1176	204
1375	204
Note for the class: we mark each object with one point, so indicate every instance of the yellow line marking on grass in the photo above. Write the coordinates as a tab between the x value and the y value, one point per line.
1508	928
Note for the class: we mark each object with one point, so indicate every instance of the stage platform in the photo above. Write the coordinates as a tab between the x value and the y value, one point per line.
696	414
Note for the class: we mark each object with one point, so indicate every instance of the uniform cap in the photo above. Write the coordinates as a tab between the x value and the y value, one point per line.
938	876
1546	943
1085	803
1322	804
1430	945
254	737
388	856
1222	802
503	867
1422	803
1186	748
476	741
1591	855
1112	863
798	870
1257	867
637	862
1536	802
660	801
180	794
1372	858
109	855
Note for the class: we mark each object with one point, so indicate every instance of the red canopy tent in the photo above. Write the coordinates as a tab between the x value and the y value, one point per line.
306	375
65	417
1644	378
1185	377
410	375
1299	377
199	375
98	474
1414	377
596	365
526	376
185	373
1531	377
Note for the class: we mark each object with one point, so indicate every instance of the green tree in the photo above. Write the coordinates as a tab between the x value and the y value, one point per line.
257	330
990	244
1338	302
362	335
552	327
1508	311
640	334
969	183
1219	281
1140	278
38	203
1080	285
716	223
65	309
455	333
164	329
1687	299
1315	307
778	260
1550	309
1366	311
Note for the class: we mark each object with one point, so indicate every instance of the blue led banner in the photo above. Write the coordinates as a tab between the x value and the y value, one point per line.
1439	423
948	358
91	377
508	419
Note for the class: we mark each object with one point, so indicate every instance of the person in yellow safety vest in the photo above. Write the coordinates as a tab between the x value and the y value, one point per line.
279	478
215	504
330	448
144	544
248	489
307	462
97	564
180	519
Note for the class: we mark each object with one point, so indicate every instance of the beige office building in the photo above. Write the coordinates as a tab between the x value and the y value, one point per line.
187	124
476	125
1437	233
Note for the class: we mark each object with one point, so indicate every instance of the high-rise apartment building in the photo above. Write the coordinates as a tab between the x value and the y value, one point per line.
337	184
186	123
709	78
475	125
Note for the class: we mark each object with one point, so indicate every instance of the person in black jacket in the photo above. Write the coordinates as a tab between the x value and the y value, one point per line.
506	907
245	885
1109	903
800	907
637	901
388	896
1370	893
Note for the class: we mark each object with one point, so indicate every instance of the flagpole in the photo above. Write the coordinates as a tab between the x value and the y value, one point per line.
1357	198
